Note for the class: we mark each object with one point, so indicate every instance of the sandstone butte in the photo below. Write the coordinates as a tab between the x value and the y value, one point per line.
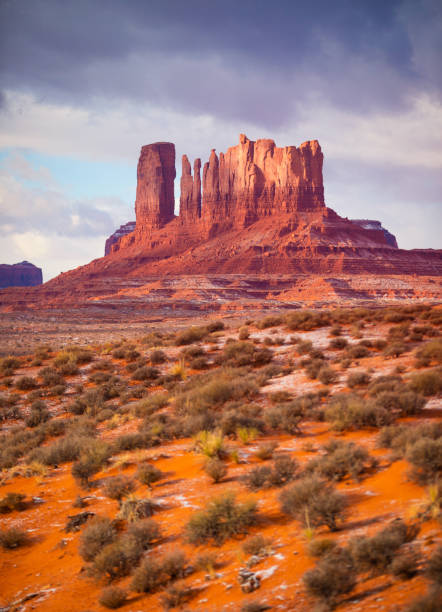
257	209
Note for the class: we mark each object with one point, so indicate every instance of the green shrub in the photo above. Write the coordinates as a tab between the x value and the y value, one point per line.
113	597
334	575
215	469
222	518
313	502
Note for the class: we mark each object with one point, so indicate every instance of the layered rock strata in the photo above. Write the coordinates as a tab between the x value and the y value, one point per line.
123	230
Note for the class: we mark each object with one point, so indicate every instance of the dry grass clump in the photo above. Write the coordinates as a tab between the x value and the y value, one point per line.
222	519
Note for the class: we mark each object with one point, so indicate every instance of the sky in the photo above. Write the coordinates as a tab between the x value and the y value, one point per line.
85	84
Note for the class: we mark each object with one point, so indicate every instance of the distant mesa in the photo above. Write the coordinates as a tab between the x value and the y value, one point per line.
23	274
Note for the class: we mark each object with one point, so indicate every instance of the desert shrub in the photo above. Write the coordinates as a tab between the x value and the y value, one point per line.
347	411
256	545
8	365
342	459
90	461
173	564
283	470
118	487
246	434
425	456
12	502
338	343
258	477
158	356
395	350
50	376
312	367
145	531
99	532
306	320
148	474
26	383
430	602
254	606
334	575
358	379
402	437
376	553
39	414
145	373
265	451
269	321
190	335
237	354
134	509
243	333
403	401
242	419
131	441
175	595
405	564
327	375
148	577
286	417
13	537
313	502
222	518
356	351
116	559
320	548
215	469
113	597
427	383
430	352
434	566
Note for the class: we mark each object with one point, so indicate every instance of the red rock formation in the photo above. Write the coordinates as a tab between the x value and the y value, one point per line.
257	179
23	274
190	200
155	201
123	230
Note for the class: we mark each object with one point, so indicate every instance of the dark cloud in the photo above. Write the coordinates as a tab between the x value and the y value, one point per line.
252	60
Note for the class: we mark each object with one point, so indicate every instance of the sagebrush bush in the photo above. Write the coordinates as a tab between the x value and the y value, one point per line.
425	456
430	602
215	469
26	383
222	518
434	566
118	487
148	577
427	383
405	564
376	553
148	474
113	597
430	352
12	502
13	537
133	508
347	411
334	575
358	379
256	545
98	532
313	502
342	459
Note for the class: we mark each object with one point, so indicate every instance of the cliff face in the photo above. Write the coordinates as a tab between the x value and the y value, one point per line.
23	274
123	230
154	204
